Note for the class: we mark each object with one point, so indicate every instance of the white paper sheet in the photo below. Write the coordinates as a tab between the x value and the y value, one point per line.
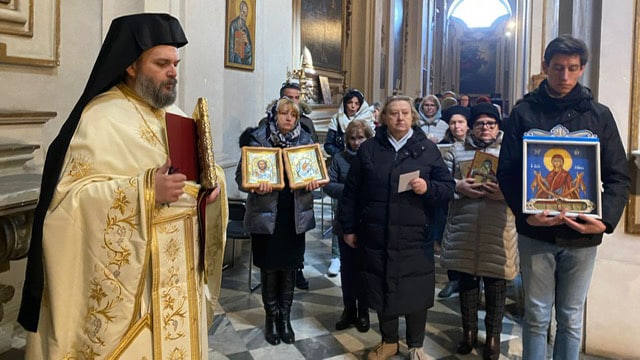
405	179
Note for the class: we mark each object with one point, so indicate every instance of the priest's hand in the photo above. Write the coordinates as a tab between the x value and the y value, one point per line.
169	187
213	196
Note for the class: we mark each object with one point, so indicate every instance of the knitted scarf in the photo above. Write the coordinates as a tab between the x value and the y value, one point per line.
278	139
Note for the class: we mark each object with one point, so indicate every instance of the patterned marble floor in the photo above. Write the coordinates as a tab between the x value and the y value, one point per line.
237	334
237	330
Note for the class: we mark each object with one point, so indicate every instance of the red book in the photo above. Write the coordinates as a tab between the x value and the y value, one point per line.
183	146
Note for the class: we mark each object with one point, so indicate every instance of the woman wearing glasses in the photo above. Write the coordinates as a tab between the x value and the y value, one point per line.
480	240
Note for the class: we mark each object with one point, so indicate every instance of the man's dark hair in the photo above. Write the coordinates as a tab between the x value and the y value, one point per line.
288	85
566	45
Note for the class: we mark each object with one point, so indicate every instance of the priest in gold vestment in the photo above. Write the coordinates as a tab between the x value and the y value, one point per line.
117	269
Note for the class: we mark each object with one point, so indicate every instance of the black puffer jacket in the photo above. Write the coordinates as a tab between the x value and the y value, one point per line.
340	164
391	226
576	111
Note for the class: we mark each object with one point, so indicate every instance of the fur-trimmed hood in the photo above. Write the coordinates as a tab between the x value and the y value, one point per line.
305	109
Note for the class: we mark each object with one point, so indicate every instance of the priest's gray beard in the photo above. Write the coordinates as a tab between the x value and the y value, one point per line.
156	94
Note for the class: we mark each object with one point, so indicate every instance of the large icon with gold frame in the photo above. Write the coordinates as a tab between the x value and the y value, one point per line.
561	170
304	164
262	164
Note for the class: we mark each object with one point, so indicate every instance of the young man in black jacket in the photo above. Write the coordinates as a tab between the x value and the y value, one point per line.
557	253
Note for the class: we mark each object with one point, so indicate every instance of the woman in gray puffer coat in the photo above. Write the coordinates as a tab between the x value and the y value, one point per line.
480	239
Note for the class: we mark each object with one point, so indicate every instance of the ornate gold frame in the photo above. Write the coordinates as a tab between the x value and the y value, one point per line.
251	155
208	178
632	225
294	160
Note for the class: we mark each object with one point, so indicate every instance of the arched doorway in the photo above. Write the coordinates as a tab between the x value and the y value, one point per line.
483	49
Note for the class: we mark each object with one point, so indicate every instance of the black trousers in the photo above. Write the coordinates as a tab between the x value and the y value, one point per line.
353	289
452	275
416	323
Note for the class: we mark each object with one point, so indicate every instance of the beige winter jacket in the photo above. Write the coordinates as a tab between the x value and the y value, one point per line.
480	237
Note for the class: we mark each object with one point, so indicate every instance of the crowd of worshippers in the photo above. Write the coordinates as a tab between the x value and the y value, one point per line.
402	123
405	197
138	272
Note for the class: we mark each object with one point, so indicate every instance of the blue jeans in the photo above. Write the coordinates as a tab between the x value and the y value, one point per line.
551	275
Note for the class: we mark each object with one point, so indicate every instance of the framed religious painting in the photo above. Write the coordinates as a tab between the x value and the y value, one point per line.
322	32
240	34
326	90
561	171
260	165
304	164
484	168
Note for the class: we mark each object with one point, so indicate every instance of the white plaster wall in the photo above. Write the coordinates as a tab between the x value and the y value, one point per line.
202	65
57	89
244	95
51	89
613	305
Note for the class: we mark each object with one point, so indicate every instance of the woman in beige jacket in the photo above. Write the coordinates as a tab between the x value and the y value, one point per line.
480	239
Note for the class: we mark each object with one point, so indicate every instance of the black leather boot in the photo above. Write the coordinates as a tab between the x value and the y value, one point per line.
468	342
270	299
347	318
362	322
491	348
495	293
469	311
301	282
285	300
